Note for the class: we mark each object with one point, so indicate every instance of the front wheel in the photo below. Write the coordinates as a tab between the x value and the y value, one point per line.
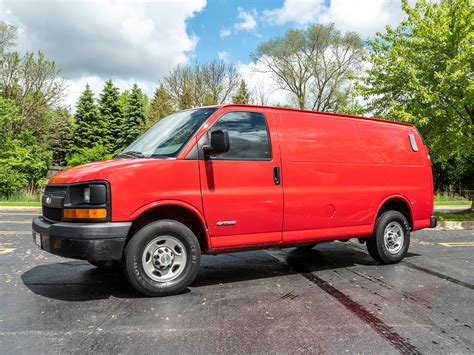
162	258
391	238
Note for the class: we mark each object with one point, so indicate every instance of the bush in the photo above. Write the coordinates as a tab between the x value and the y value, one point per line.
87	155
11	181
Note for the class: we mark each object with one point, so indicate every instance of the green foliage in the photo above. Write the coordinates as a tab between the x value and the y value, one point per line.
88	129
135	117
11	181
59	140
160	106
111	115
422	72
26	160
242	96
9	118
89	154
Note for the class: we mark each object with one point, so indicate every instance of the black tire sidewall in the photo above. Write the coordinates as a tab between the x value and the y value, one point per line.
382	222
133	258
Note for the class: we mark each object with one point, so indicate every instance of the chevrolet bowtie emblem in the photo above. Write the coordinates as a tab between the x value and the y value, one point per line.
48	200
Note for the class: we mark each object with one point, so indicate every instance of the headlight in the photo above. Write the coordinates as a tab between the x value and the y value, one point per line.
87	194
87	201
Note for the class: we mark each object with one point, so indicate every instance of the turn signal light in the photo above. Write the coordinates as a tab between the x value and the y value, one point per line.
85	213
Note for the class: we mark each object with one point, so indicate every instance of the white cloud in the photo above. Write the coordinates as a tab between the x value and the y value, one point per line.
225	32
224	55
363	16
295	11
107	38
247	21
126	41
257	79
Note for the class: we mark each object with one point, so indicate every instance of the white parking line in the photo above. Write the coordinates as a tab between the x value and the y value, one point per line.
22	221
15	233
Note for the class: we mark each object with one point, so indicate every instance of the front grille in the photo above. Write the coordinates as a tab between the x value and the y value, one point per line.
53	214
57	193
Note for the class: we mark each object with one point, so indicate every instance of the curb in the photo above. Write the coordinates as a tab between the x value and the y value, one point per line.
455	225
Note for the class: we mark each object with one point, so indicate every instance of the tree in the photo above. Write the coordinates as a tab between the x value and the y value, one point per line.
201	84
220	79
422	72
8	35
60	142
160	105
34	84
316	65
111	115
88	129
242	96
135	117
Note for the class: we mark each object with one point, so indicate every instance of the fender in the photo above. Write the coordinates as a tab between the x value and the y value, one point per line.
390	197
180	203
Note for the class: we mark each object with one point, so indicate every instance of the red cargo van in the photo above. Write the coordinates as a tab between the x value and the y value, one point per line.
239	177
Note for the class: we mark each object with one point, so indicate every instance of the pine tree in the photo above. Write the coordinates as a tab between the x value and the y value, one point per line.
111	115
242	96
160	106
87	128
135	118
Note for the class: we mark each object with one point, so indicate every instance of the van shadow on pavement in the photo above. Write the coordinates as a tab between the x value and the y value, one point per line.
78	281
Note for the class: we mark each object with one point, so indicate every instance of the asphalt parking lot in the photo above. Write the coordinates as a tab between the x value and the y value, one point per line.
331	299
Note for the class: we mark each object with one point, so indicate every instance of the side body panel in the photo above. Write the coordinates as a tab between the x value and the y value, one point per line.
337	171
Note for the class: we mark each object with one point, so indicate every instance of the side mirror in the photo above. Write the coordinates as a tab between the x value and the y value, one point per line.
219	143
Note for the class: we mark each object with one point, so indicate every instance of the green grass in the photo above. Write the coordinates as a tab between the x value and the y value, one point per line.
456	216
20	203
21	199
444	198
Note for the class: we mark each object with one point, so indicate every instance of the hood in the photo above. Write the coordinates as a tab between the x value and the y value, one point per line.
96	171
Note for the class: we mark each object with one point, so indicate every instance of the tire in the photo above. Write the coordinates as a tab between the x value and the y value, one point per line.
306	246
106	265
391	238
162	258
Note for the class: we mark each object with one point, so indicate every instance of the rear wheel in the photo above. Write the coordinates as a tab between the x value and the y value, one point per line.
391	238
162	258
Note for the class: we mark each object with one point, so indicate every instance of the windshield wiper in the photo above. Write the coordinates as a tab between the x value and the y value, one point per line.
131	154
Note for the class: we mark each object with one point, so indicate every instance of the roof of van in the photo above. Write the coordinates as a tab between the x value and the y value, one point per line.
318	112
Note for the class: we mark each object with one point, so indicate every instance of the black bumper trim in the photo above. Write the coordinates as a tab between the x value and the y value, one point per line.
86	241
433	221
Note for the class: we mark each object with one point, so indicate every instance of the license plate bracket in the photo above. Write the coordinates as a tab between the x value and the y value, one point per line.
38	239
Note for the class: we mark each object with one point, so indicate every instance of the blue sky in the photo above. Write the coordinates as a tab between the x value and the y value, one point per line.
221	15
132	41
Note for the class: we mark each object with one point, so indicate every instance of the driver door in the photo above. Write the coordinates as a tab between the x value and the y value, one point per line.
241	189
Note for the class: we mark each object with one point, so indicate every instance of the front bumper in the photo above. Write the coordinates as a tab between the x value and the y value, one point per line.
433	221
87	241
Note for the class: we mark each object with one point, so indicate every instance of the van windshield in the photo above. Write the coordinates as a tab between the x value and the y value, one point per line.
169	135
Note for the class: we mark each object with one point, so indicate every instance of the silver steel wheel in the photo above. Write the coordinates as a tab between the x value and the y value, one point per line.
394	237
164	258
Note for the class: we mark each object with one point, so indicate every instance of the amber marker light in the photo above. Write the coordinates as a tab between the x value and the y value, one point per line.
85	213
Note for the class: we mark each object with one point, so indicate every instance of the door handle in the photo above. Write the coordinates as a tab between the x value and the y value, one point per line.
276	175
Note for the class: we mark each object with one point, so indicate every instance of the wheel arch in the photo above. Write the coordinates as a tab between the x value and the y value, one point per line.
172	209
396	203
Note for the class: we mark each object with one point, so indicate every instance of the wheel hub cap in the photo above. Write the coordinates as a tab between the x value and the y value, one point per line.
394	237
163	257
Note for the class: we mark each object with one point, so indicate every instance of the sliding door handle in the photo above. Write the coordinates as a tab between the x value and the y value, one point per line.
276	175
